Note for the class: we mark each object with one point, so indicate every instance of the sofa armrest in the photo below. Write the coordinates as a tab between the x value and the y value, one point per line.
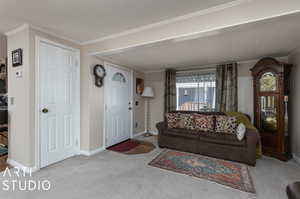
161	126
252	137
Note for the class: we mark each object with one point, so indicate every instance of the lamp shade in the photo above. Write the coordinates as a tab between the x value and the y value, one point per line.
148	92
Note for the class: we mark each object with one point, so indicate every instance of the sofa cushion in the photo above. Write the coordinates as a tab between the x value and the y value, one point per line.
208	136
221	138
173	120
203	122
187	121
226	124
182	133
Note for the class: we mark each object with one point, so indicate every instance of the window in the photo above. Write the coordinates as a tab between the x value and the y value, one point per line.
119	77
196	91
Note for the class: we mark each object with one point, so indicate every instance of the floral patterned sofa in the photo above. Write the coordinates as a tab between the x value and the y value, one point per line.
211	134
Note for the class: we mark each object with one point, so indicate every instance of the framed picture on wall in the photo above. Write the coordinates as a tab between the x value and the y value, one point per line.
139	86
17	57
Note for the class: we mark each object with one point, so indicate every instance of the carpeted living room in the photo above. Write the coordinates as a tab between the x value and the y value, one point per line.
138	99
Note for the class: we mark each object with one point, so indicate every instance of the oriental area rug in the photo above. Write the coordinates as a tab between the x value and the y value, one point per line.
231	174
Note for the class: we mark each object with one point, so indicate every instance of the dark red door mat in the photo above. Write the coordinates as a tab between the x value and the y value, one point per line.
124	146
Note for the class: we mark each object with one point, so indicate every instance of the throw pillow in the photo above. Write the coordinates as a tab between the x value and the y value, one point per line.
186	121
204	122
241	131
226	124
173	120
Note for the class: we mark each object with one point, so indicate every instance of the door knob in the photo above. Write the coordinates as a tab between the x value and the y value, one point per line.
45	110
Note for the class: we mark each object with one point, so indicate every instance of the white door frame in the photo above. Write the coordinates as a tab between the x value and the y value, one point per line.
131	100
38	41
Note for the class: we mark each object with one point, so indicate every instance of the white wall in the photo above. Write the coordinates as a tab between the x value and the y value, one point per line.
295	103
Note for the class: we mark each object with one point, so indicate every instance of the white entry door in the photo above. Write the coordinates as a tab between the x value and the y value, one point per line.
117	105
58	103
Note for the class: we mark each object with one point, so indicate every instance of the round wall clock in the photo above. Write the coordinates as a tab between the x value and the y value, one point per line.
99	72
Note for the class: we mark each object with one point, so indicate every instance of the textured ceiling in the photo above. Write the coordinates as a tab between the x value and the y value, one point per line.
84	20
273	37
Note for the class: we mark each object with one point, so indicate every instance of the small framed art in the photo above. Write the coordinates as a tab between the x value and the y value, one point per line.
17	57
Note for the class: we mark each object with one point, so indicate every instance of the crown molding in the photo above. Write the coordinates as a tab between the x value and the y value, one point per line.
26	26
54	34
16	30
169	21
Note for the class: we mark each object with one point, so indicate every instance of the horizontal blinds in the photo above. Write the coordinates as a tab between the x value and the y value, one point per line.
187	77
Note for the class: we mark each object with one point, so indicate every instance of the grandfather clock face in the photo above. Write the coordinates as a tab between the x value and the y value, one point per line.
268	113
268	102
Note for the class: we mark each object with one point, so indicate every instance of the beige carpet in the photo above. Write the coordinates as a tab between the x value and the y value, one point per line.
110	175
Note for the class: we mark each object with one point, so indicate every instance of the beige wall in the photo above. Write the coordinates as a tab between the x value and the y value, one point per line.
156	80
295	103
91	104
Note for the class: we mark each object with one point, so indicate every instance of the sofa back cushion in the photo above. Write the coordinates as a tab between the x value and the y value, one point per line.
226	124
204	122
187	121
178	120
173	120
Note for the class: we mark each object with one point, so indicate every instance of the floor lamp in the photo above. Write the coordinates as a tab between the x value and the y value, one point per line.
147	94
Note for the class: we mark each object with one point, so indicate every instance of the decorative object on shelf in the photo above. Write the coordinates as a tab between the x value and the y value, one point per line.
100	73
148	93
139	86
271	91
17	57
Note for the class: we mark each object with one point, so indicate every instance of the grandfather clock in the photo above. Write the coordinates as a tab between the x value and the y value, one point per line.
271	91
